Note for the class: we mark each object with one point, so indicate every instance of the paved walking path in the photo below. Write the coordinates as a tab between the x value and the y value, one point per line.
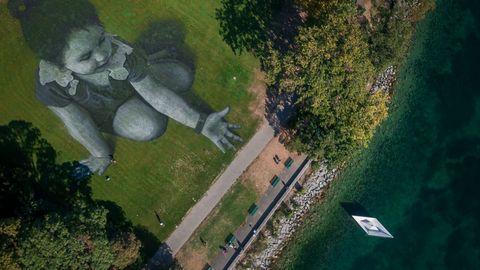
223	183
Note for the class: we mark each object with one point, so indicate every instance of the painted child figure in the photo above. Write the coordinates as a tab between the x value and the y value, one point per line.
96	83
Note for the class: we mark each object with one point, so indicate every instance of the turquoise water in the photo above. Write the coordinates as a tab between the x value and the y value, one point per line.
421	174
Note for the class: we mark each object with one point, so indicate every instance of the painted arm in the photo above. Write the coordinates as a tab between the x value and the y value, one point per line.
82	128
170	104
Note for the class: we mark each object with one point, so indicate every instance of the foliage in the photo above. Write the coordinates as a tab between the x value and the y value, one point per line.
126	248
392	28
329	71
74	241
51	221
244	23
319	11
421	168
8	236
330	67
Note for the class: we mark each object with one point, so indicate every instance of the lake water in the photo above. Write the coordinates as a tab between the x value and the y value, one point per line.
421	174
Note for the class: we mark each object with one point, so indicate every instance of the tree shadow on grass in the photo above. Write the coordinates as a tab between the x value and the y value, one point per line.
31	182
251	25
260	27
355	209
116	216
150	242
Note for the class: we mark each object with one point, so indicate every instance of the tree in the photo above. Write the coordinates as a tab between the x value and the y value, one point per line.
9	229
74	241
244	24
126	248
392	28
329	71
48	219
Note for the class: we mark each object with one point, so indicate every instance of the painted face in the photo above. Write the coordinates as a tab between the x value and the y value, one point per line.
88	50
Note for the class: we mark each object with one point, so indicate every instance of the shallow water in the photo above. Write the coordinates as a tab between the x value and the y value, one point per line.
420	175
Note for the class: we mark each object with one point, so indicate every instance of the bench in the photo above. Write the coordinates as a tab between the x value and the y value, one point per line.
288	163
230	240
275	180
253	209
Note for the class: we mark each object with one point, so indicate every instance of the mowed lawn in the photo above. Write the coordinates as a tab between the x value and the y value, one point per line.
166	175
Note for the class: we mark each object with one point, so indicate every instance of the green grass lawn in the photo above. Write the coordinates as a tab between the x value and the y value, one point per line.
164	175
225	219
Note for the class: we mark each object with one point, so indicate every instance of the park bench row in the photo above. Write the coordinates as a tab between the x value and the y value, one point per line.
252	210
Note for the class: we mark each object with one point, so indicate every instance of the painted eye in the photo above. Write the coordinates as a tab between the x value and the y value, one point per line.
86	56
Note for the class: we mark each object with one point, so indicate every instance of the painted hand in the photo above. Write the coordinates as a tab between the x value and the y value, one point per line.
97	164
217	130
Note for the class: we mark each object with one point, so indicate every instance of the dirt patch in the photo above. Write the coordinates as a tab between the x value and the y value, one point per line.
367	6
192	258
259	91
264	168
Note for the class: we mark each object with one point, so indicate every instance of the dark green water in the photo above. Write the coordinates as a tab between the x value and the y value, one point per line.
421	173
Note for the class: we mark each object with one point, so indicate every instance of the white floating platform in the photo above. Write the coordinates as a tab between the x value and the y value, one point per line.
372	226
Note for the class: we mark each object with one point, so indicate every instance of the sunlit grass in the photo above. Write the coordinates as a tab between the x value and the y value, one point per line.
163	175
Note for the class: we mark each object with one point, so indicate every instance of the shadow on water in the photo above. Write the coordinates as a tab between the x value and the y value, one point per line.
355	209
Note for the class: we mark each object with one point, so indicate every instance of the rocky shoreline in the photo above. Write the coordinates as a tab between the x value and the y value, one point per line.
286	227
385	81
303	201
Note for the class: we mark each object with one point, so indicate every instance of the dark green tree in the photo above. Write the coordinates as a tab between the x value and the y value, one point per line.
391	29
244	24
73	241
329	71
48	219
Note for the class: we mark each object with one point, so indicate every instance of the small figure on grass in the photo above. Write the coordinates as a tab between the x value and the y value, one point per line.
112	160
204	243
160	221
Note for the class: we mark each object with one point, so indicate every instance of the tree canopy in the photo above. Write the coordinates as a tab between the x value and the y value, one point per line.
48	219
335	57
329	71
